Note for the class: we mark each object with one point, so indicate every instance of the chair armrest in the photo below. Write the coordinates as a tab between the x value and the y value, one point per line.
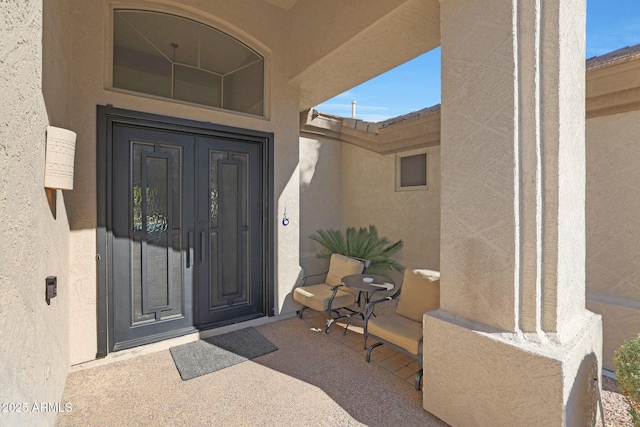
370	306
303	279
387	298
368	309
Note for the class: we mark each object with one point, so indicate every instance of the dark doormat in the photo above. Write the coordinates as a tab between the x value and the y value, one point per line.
219	352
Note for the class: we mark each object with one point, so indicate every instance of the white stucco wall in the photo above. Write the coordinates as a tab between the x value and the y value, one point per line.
34	238
613	229
257	23
369	197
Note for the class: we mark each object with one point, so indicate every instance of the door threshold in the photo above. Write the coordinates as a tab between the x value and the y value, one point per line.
229	322
156	347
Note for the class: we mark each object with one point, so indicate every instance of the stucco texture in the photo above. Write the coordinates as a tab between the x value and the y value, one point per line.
34	238
512	329
532	176
507	380
613	230
320	196
369	197
342	185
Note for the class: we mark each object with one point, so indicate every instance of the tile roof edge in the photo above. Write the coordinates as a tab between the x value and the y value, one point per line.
617	56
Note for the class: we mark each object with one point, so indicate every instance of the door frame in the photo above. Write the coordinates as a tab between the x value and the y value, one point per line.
107	116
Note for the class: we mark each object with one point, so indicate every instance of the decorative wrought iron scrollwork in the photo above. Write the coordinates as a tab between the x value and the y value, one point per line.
156	222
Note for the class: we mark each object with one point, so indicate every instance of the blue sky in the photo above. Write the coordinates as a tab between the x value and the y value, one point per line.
611	24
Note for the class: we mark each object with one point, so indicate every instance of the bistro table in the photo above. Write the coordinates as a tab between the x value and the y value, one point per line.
365	289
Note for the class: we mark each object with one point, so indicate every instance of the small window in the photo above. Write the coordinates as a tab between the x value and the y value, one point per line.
411	171
177	58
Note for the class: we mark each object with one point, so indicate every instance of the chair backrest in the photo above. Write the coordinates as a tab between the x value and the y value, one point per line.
340	266
420	293
366	263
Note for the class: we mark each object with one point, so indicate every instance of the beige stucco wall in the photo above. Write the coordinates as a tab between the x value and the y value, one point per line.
504	380
34	238
369	197
258	24
613	229
512	318
342	185
501	167
320	195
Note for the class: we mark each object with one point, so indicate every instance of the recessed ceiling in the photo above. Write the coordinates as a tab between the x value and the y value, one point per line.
178	58
184	41
284	4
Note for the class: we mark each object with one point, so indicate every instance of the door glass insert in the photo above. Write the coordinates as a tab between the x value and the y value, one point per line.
176	179
214	158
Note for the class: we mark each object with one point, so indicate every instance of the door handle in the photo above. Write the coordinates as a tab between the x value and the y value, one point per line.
202	246
189	248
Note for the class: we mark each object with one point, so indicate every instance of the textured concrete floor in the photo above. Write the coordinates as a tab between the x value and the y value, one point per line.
313	379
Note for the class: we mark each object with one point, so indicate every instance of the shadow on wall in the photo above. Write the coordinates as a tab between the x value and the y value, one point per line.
320	195
289	305
582	403
52	200
309	157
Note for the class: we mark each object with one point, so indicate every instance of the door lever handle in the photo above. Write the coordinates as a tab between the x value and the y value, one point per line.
189	248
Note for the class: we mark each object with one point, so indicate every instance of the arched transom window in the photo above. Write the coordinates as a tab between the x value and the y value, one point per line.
178	58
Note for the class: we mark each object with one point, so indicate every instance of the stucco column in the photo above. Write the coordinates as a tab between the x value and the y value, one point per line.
512	343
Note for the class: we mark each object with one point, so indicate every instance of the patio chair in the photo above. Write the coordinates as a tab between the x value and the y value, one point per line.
331	295
402	329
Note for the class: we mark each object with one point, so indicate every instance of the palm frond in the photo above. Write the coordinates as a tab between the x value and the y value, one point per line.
363	243
331	240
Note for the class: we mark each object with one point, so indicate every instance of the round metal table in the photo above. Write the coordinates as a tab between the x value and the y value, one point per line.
366	290
356	281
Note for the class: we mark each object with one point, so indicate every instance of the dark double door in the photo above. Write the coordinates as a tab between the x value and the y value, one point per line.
187	247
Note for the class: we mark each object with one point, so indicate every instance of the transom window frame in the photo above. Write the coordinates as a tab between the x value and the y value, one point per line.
398	170
210	21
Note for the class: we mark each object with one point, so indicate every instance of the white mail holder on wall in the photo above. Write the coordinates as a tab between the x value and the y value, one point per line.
60	154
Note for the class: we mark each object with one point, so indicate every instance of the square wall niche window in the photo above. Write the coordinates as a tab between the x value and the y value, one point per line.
177	58
411	171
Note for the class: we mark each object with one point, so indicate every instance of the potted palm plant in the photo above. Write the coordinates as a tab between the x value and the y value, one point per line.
363	243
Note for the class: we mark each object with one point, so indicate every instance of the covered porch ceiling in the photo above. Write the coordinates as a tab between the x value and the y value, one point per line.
336	45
